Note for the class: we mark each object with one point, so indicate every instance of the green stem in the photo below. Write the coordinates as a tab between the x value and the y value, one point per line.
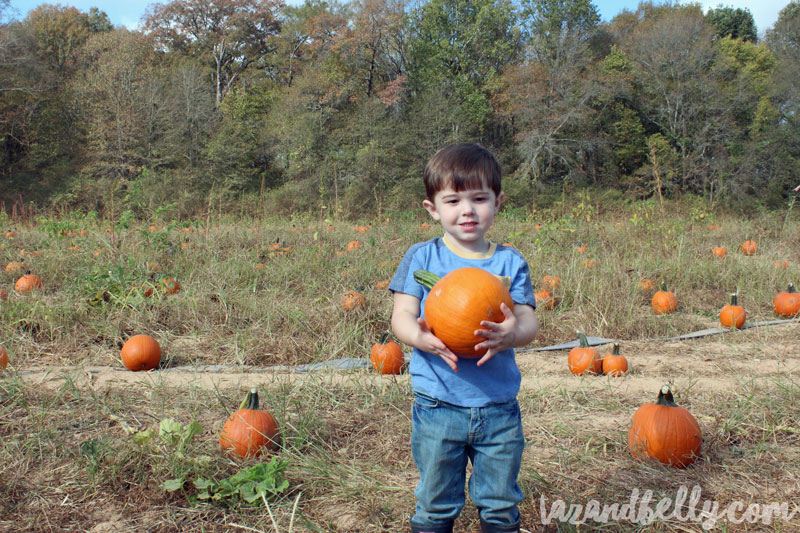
665	397
584	342
251	402
425	278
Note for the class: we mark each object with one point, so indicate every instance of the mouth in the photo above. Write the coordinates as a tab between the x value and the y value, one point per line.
468	225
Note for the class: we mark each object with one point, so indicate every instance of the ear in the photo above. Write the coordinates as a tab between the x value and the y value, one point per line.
499	200
430	207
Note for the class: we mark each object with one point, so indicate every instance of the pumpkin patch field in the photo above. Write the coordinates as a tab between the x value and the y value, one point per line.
281	324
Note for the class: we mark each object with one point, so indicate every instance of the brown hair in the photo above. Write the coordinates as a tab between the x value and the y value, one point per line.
462	166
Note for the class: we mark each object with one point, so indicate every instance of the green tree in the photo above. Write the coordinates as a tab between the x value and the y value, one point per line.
460	47
736	23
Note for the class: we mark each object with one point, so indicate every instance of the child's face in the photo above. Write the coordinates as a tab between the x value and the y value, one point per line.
465	215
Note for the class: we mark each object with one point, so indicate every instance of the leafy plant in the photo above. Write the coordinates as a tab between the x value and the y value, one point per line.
261	481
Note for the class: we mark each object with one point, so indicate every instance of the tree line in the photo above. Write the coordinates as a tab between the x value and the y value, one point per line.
333	107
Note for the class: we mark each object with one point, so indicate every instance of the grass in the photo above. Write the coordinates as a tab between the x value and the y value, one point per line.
70	458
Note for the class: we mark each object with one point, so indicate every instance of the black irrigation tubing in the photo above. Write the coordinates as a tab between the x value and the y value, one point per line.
596	341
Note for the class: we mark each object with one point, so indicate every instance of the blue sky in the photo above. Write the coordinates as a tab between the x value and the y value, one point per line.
129	12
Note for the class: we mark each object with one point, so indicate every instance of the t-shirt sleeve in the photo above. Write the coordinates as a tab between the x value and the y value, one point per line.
403	280
521	285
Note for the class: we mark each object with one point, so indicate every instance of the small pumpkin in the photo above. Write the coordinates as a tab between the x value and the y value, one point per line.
664	302
249	430
665	431
141	352
614	363
170	284
646	285
787	303
457	304
15	266
3	358
719	251
583	358
387	356
733	315
551	282
544	299
780	265
28	282
352	246
352	300
382	284
749	247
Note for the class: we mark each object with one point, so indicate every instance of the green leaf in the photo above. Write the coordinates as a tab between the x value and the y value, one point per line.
171	485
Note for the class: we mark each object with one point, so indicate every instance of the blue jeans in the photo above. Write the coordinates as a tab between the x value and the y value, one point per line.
443	438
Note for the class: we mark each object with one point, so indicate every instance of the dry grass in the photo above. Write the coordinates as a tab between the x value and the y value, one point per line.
69	461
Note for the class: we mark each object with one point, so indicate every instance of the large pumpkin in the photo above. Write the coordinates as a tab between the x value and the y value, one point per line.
141	352
584	359
787	303
459	302
3	358
733	315
248	431
665	431
387	356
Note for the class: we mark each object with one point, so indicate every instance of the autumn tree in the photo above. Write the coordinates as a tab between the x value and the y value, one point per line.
232	35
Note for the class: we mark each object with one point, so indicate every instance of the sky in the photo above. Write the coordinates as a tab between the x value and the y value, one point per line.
129	12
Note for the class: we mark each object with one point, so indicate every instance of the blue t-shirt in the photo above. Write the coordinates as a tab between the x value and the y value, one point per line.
498	379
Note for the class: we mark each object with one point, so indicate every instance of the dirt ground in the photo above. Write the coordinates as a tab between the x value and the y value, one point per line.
703	371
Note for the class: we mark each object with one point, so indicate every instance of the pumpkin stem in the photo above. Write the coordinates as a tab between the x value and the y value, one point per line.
384	337
251	402
425	278
584	342
665	397
615	349
664	286
734	298
790	288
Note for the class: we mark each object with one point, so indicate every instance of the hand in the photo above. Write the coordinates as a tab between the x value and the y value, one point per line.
430	343
499	335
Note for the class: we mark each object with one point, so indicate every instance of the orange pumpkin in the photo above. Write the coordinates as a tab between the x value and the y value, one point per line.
664	301
732	315
614	363
787	303
749	247
544	299
778	264
719	251
353	246
646	285
665	431
457	304
15	266
3	358
551	282
250	430
583	358
352	300
28	282
141	352
382	284
387	357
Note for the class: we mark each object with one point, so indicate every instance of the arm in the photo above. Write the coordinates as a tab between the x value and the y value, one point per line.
517	329
411	329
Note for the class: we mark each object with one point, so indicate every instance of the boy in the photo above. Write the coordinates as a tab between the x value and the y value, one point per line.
465	409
